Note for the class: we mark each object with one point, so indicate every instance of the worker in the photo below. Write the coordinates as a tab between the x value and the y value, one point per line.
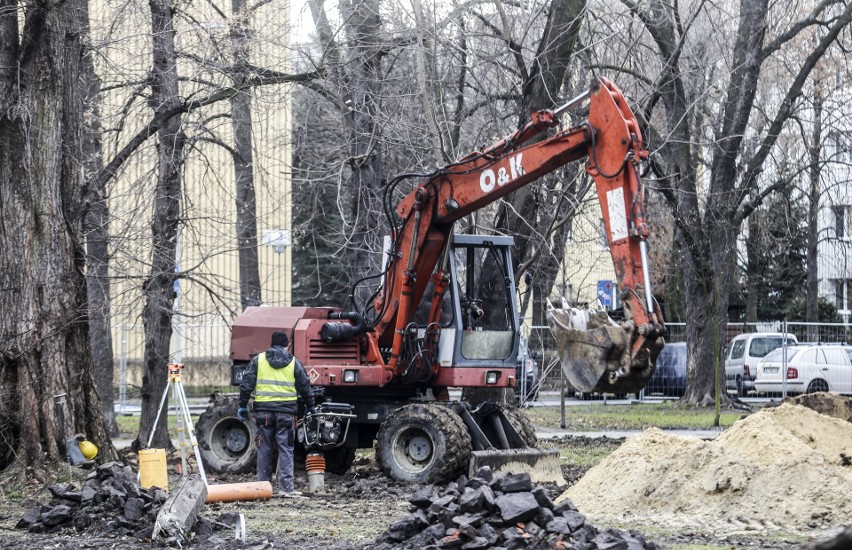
276	377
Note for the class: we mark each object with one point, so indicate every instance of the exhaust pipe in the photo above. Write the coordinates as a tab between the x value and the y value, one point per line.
338	332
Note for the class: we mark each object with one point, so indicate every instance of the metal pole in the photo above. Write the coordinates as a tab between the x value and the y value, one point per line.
646	276
559	111
562	399
122	377
784	360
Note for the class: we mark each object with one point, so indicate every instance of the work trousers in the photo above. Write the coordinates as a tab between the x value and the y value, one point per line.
276	433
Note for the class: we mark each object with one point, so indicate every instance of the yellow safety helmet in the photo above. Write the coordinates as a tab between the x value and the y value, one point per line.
89	449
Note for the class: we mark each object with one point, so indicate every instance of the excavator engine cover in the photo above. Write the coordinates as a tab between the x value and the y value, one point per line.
595	352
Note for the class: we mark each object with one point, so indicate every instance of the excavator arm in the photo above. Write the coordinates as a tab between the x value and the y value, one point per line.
597	354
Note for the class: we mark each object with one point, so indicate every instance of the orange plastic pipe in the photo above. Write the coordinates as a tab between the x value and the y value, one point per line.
229	492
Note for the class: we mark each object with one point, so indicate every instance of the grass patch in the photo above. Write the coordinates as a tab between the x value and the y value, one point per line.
129	425
637	416
584	453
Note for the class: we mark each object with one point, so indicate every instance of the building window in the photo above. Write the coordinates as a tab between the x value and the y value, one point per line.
602	232
842	221
843	295
569	233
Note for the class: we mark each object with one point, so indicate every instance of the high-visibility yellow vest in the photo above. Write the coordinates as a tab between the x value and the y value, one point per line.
275	384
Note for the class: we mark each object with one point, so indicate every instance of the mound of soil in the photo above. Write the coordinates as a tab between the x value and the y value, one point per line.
830	404
783	468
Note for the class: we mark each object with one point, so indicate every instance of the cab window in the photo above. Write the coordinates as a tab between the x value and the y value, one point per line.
737	349
761	346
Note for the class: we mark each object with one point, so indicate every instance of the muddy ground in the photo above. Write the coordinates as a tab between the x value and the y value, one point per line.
357	508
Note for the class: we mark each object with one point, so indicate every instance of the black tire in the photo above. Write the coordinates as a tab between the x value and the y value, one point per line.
817	385
423	443
522	425
226	442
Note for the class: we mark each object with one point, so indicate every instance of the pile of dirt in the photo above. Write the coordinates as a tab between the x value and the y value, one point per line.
783	468
830	404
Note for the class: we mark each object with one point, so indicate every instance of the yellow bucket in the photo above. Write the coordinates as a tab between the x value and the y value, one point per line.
152	469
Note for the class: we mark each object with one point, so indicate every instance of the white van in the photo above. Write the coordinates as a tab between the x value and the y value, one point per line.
743	354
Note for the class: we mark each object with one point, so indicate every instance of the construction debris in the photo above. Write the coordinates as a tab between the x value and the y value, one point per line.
178	514
505	511
111	504
109	501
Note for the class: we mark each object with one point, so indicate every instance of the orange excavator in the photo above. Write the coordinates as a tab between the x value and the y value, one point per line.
445	316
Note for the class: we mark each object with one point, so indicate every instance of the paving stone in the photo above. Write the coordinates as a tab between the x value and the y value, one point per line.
57	515
542	497
471	500
476	544
488	532
403	529
575	519
485	474
469	519
563	506
32	517
134	509
422	498
513	483
515	507
545	516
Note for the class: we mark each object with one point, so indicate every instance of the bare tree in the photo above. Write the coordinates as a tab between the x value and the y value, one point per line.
159	286
709	212
250	291
44	346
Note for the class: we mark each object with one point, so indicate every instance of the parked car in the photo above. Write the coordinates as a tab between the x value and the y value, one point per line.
810	369
527	372
669	378
743	354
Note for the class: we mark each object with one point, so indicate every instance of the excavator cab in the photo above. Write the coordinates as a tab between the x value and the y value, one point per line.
483	289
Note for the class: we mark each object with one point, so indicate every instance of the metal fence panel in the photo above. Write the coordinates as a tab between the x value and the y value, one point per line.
668	381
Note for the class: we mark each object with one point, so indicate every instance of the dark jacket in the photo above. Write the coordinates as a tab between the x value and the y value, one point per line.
278	358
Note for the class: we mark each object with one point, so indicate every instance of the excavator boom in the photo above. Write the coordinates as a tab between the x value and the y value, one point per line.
596	353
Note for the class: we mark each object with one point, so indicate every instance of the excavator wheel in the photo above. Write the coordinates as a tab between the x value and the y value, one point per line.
423	443
225	441
522	424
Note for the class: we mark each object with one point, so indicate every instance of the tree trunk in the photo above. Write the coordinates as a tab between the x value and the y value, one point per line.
250	292
364	185
814	175
159	286
528	213
752	268
97	257
44	348
97	284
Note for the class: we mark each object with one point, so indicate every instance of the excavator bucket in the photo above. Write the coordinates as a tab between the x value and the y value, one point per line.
596	353
504	440
541	464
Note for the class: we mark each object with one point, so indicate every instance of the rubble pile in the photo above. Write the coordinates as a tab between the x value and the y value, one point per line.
504	511
110	502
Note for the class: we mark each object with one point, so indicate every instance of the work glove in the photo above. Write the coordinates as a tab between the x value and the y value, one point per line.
312	410
242	414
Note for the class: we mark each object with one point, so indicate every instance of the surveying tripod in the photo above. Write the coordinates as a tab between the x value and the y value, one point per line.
184	420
